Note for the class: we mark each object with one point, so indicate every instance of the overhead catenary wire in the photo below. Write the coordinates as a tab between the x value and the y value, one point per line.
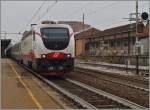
11	33
34	15
47	10
102	8
143	5
78	10
93	12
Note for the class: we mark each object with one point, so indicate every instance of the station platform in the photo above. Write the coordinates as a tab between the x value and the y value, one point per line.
97	67
21	91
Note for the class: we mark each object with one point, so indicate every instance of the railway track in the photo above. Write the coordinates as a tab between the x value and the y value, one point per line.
133	93
86	96
130	81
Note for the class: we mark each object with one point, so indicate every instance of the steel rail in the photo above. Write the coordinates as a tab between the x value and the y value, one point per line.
128	85
51	95
82	102
108	95
75	98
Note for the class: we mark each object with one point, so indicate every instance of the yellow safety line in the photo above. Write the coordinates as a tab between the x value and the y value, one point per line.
27	88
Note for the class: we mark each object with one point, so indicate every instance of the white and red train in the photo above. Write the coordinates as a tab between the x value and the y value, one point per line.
49	49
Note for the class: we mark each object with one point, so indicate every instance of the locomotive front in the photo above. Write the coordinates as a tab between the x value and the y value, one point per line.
56	51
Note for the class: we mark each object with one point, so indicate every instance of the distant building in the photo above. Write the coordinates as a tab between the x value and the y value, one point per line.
82	39
76	25
111	42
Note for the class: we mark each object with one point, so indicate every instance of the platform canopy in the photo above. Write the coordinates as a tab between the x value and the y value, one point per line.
4	45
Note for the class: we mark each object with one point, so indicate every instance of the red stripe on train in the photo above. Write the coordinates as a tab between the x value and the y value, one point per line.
36	33
29	56
71	34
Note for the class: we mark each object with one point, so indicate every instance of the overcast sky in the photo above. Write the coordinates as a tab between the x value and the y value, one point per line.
99	14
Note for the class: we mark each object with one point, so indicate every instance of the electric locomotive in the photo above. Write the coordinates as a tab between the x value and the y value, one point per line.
49	49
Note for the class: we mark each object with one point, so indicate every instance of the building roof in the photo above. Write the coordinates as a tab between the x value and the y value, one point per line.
5	43
83	30
94	33
72	22
76	25
119	29
87	33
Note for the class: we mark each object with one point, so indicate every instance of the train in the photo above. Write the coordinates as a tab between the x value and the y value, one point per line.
48	49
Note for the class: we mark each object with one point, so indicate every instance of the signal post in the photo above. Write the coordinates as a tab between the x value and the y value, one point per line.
139	31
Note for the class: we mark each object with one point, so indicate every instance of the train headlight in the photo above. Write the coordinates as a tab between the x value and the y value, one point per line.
43	56
68	55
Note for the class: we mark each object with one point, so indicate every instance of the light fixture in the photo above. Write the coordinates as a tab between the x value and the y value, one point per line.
43	56
68	55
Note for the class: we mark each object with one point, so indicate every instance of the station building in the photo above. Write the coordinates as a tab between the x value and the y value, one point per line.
114	41
82	40
113	45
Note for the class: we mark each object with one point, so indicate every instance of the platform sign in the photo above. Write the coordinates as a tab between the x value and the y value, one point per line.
138	44
138	49
141	50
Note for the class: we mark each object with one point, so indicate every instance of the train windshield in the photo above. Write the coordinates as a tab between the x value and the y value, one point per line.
55	38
